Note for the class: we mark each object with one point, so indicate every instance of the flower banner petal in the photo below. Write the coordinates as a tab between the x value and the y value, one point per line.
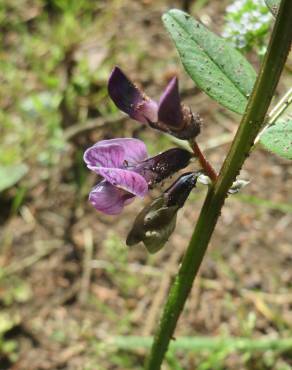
105	155
135	150
129	99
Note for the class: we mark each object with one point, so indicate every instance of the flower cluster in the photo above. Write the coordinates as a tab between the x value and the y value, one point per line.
125	170
247	23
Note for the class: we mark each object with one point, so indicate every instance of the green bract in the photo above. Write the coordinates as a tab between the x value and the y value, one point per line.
273	5
215	66
153	225
10	175
278	138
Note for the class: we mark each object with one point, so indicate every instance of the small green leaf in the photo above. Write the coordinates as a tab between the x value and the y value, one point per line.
10	175
273	5
215	66
278	138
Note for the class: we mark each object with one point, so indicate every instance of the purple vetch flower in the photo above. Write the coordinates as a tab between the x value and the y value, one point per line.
168	115
127	171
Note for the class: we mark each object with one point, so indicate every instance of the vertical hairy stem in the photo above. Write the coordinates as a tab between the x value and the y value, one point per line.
250	126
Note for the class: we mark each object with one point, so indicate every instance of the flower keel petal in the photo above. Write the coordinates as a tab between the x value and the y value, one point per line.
109	199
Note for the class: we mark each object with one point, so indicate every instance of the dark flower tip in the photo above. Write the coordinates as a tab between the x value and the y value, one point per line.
178	192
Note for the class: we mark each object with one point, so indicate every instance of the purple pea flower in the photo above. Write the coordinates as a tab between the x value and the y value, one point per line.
127	171
168	115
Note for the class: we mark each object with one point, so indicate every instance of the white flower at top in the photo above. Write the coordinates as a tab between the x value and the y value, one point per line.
247	22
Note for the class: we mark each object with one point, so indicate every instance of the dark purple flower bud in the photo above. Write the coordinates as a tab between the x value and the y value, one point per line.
127	172
156	222
129	99
174	117
169	115
169	107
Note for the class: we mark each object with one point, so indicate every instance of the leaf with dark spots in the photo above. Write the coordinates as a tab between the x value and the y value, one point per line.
278	138
215	66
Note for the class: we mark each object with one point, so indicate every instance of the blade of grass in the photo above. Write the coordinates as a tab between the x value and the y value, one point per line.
252	199
196	344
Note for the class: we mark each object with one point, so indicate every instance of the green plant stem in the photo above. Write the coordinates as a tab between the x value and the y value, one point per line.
250	125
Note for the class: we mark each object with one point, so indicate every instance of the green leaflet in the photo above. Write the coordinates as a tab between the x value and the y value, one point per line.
273	5
10	175
216	67
278	138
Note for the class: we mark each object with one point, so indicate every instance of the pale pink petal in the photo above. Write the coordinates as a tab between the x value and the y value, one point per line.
108	199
